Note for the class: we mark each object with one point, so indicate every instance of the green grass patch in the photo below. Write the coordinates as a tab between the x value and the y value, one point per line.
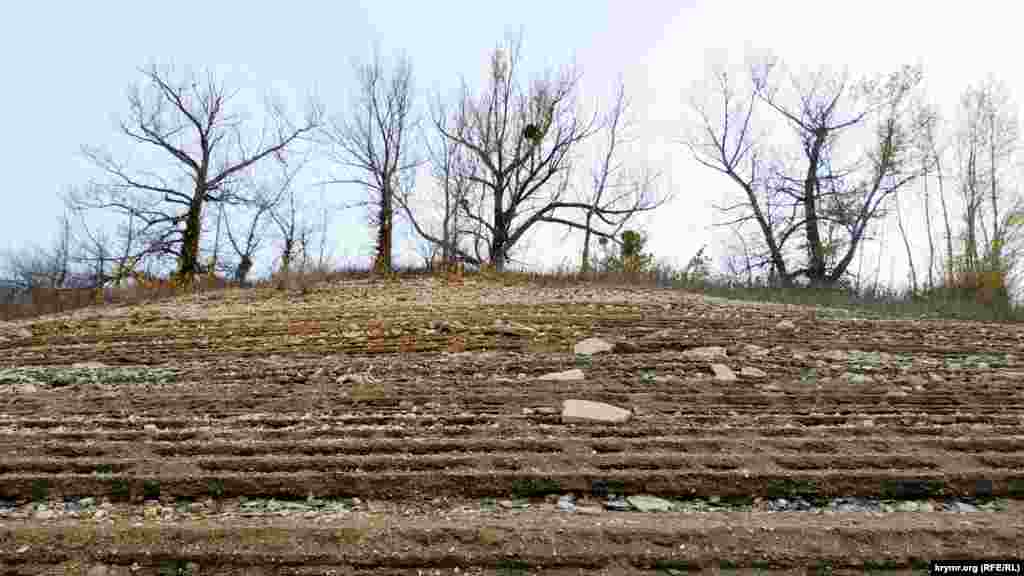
787	488
120	489
911	489
534	487
215	488
151	489
1015	487
40	489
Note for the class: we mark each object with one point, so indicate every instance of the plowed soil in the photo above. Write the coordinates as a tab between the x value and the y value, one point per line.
416	406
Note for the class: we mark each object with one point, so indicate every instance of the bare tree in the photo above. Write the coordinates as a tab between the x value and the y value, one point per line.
610	182
834	196
452	168
373	142
523	142
188	122
246	245
987	137
284	209
34	266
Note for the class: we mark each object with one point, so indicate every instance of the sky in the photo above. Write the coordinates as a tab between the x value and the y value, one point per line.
68	68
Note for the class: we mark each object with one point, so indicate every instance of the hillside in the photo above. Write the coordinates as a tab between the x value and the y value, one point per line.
418	428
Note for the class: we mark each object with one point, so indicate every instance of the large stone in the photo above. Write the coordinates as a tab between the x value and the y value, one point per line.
588	411
705	353
751	372
723	373
568	375
592	346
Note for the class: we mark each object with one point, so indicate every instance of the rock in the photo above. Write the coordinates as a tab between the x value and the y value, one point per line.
836	355
568	375
592	346
567	503
587	411
440	326
352	378
44	514
964	507
723	373
23	333
915	381
23	388
649	503
755	350
618	504
667	378
786	325
150	427
705	353
589	510
751	372
771	388
89	365
511	328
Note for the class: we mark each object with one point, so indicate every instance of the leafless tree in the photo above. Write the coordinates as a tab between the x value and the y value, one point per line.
285	210
34	266
838	197
987	138
611	184
523	141
452	168
373	142
189	123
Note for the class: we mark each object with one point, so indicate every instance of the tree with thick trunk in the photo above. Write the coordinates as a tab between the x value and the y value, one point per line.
187	122
823	191
373	143
523	142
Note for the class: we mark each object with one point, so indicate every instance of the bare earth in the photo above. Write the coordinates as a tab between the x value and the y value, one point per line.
405	429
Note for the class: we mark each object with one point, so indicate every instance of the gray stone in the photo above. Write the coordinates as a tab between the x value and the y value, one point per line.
574	374
592	346
786	325
618	504
587	411
755	350
964	507
751	372
723	373
645	503
567	503
705	353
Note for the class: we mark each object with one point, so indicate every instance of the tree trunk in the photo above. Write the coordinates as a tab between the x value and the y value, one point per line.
188	263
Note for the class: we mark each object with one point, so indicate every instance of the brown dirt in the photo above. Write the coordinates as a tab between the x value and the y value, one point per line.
411	396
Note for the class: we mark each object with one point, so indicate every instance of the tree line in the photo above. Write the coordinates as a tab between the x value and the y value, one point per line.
816	160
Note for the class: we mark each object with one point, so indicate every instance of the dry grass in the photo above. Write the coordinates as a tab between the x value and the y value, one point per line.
981	296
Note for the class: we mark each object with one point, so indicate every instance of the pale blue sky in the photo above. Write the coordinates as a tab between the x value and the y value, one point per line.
68	66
